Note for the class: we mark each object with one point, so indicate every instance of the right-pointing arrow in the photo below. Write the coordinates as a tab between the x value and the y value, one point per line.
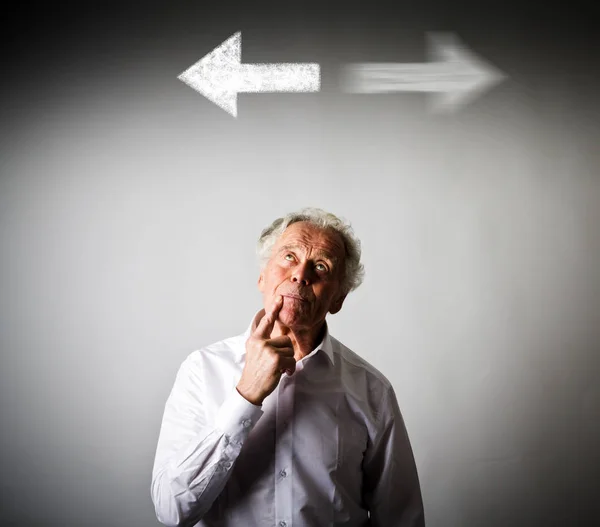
454	75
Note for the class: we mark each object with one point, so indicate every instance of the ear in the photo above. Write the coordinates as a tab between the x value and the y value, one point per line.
261	282
337	305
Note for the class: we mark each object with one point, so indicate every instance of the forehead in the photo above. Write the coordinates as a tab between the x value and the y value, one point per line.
305	235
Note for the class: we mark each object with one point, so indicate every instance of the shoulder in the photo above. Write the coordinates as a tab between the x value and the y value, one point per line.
208	374
362	379
352	362
216	357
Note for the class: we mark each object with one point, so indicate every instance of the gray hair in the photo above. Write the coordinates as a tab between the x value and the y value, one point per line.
354	271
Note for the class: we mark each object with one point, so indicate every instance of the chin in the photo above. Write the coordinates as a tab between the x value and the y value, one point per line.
292	319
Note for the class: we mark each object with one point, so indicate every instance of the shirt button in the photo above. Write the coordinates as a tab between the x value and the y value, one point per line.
282	524
246	423
283	474
227	464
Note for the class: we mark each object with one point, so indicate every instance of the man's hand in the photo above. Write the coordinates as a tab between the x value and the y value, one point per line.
266	359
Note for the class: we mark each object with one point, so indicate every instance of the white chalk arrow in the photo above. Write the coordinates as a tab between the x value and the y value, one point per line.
220	75
454	75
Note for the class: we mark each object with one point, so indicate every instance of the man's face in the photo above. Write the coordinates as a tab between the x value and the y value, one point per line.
306	262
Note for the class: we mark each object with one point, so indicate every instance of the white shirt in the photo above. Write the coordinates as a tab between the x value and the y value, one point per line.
327	448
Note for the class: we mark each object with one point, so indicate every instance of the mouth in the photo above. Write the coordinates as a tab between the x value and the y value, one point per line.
296	297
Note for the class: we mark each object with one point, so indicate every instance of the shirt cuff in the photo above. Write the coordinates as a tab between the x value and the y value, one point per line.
237	416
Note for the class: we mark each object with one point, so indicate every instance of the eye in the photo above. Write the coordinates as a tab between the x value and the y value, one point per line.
289	254
323	266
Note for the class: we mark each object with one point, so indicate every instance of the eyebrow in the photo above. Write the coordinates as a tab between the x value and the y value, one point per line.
318	252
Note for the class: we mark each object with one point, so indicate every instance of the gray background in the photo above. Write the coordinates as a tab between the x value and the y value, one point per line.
130	207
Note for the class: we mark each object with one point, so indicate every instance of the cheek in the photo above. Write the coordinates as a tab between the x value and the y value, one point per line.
277	276
272	280
328	298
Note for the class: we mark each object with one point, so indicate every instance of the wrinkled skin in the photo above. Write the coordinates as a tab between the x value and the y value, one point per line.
308	262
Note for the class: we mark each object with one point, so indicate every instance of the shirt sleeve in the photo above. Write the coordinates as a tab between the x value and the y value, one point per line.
391	488
194	456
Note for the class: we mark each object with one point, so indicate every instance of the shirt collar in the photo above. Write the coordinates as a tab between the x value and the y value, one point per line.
325	344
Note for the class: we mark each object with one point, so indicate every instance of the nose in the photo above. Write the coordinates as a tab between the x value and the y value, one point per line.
301	274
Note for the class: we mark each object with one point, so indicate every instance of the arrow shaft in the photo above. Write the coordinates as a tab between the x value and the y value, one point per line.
301	77
395	77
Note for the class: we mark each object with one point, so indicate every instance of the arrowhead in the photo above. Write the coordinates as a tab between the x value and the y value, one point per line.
475	75
216	75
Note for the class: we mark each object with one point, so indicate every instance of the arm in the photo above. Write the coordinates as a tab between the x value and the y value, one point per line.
391	484
194	457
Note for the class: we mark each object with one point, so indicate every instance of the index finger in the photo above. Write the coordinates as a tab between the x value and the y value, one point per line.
267	322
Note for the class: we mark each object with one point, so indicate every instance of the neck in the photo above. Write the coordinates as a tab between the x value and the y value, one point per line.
303	340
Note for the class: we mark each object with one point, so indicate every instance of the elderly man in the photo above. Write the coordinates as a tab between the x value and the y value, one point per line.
283	425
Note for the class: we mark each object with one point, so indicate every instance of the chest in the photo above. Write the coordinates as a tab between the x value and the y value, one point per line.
314	430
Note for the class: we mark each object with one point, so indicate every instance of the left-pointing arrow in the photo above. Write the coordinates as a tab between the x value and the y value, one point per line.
220	76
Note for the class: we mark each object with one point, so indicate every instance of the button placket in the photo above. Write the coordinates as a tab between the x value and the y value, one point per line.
283	451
